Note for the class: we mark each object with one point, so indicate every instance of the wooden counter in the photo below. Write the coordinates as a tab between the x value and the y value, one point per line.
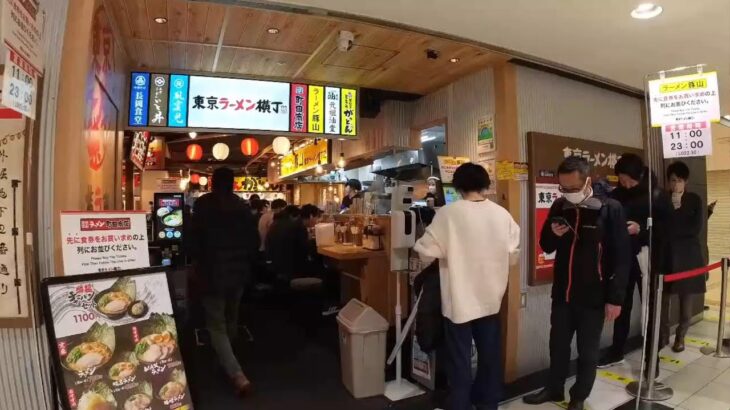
366	276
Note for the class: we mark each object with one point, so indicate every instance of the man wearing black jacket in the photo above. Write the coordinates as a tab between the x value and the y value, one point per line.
633	194
592	265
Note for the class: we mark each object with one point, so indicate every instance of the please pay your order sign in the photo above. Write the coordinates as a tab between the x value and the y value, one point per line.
684	107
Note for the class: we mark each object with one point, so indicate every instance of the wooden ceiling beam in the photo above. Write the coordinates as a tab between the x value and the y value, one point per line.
221	35
244	48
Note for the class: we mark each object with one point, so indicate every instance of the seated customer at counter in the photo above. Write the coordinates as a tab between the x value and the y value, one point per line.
267	218
475	241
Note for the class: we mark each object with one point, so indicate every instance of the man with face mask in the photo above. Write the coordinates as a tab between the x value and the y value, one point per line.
592	264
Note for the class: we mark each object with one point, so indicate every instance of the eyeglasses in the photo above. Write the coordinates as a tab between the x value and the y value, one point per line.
565	190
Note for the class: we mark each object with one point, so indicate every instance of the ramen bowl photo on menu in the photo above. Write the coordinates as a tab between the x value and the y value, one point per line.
114	302
98	397
160	341
94	351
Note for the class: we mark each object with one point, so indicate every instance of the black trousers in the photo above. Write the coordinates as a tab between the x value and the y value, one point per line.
622	325
587	324
685	312
486	388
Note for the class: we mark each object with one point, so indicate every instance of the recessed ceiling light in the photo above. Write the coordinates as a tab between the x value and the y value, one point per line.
454	60
160	20
272	30
645	11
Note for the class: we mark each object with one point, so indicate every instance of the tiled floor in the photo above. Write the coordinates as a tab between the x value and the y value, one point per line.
699	382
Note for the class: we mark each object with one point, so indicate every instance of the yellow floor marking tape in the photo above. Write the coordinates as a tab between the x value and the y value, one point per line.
696	342
615	377
564	405
671	360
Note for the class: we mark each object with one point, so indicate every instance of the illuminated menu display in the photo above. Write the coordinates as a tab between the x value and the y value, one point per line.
200	102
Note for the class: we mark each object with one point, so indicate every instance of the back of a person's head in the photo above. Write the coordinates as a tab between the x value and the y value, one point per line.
278	204
257	204
292	211
254	197
631	165
575	164
309	211
223	180
354	184
471	177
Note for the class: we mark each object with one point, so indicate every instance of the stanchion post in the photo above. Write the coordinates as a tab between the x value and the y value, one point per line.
651	391
720	350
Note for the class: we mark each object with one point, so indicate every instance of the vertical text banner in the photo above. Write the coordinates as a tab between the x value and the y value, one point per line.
684	99
332	118
21	29
13	278
178	109
159	91
298	121
316	109
139	99
103	241
349	112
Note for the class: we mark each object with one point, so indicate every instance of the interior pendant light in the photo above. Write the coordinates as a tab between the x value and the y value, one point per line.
281	145
221	151
203	181
194	152
341	163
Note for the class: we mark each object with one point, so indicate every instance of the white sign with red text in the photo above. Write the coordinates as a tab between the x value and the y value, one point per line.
20	85
95	242
22	30
687	140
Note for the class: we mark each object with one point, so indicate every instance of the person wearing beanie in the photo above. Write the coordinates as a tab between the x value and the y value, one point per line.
633	194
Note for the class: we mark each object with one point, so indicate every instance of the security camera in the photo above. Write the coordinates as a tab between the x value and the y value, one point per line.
346	40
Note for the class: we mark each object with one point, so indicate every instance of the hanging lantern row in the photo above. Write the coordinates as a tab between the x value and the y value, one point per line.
221	151
281	145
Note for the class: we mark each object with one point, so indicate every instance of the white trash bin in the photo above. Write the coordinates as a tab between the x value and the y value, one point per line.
363	334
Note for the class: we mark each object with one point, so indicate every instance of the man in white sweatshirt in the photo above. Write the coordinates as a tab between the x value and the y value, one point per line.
475	241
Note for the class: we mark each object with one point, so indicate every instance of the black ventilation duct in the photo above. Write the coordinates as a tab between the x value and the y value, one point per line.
371	98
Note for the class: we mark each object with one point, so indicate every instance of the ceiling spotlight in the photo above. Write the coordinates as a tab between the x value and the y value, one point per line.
646	11
454	60
272	30
193	134
160	20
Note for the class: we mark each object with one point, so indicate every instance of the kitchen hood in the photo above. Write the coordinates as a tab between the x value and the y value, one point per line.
403	166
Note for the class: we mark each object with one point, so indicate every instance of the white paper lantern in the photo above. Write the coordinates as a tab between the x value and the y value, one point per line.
221	151
281	145
204	180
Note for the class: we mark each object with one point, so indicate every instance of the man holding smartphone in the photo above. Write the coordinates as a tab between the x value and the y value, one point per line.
592	264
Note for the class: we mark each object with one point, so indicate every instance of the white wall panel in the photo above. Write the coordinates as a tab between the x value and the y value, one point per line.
551	104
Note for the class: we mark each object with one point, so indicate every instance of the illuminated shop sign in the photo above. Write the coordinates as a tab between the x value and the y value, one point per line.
306	158
190	101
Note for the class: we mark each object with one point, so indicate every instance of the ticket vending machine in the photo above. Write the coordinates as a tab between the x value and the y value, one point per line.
169	219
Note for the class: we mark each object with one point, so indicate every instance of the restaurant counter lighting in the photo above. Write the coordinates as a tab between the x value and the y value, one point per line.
203	181
646	11
341	163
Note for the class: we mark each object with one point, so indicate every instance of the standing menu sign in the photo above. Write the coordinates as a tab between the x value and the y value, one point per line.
545	153
13	278
104	241
114	342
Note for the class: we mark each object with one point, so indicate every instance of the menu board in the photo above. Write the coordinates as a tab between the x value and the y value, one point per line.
169	216
203	102
140	143
114	342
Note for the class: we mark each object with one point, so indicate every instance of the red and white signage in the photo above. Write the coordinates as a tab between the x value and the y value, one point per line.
687	140
95	242
22	30
20	84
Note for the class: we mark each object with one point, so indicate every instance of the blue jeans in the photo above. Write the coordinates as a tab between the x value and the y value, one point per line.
485	389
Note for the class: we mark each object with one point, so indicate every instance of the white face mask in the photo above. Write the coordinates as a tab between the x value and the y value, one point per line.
577	197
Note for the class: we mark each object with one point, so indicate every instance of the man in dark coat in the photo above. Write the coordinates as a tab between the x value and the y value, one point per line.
224	241
633	194
592	264
684	250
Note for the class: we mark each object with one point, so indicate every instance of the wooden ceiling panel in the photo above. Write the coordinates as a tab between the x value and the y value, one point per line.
214	23
359	57
157	8
225	59
177	20
138	18
258	63
194	57
119	14
208	57
178	56
143	52
161	53
197	18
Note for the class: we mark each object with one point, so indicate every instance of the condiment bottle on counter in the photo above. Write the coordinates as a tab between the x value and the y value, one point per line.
356	230
348	232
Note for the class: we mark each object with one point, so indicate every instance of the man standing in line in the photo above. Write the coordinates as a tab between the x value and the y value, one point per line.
591	268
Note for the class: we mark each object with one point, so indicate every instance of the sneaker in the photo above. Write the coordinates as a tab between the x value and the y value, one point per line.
610	360
332	310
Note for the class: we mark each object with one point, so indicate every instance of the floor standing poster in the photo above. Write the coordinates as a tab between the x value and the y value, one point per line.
114	342
545	153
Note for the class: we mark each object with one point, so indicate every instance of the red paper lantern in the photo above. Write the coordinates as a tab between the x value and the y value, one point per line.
249	146
194	152
194	178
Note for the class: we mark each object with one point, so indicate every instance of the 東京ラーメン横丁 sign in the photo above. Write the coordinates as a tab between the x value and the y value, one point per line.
200	102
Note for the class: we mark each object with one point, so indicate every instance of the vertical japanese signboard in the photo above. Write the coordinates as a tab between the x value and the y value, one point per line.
114	342
349	110
159	89
178	109
21	29
332	110
139	99
316	109
13	279
140	143
298	119
684	107
545	153
95	242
